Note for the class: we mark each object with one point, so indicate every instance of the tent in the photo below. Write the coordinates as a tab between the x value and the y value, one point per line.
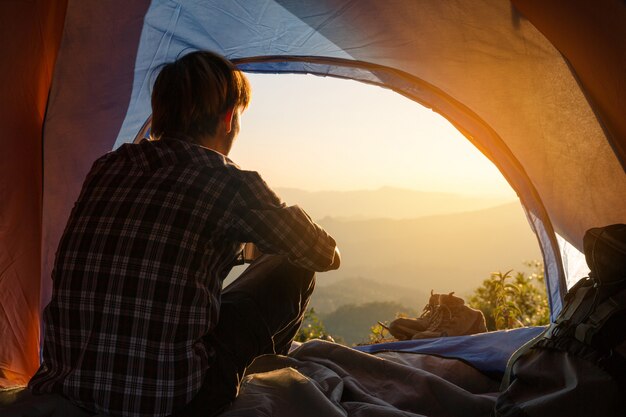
538	86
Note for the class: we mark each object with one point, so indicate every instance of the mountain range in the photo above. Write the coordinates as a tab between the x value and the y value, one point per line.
451	252
384	202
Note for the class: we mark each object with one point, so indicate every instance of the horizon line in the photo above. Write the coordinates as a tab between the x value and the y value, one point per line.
512	197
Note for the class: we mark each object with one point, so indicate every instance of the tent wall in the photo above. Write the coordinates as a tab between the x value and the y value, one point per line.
592	36
88	102
30	34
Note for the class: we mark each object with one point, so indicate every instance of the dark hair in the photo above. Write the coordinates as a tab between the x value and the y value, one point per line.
190	95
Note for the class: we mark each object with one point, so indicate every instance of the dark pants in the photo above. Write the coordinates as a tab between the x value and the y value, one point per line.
261	312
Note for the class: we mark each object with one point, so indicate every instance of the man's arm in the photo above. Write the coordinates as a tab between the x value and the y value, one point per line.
336	260
251	252
257	215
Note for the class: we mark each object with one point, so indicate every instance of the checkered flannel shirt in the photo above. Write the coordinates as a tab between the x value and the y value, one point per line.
138	273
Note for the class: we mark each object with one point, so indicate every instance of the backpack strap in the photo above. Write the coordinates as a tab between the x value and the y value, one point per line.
574	299
578	294
586	331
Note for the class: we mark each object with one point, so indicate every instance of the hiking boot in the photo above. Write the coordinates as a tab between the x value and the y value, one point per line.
451	317
444	315
403	328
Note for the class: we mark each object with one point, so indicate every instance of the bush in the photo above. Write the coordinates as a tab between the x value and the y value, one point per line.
312	328
511	300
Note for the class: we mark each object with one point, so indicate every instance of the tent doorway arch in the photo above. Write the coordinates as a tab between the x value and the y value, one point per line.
471	125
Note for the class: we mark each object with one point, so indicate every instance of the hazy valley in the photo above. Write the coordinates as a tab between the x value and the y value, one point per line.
452	252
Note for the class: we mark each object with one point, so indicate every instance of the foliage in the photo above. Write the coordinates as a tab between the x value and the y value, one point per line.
511	300
508	299
377	333
312	328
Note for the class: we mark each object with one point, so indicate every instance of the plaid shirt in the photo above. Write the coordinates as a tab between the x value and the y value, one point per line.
139	269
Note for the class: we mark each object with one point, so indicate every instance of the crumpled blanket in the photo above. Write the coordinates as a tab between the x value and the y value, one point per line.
323	379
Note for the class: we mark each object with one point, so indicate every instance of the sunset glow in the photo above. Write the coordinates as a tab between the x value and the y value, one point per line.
321	133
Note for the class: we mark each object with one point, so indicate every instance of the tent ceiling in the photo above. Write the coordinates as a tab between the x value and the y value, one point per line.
592	36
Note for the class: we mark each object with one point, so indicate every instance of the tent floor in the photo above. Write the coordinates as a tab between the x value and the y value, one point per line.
20	402
14	400
13	396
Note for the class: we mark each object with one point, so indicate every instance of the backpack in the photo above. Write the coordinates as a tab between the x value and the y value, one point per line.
577	366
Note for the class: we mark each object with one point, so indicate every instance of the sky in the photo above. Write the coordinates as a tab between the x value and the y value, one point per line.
321	133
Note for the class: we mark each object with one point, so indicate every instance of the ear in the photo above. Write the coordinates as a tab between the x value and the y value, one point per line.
228	119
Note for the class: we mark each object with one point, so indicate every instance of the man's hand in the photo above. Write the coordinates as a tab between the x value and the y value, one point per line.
336	260
250	252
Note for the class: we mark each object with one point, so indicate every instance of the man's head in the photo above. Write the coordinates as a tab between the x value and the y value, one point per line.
194	95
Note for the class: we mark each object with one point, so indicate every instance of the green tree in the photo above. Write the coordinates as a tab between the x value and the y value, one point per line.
312	328
511	300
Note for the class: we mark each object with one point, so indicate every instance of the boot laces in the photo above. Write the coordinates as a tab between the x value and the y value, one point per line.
441	317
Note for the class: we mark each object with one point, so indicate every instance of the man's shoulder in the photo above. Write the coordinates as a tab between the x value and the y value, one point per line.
155	154
192	154
205	158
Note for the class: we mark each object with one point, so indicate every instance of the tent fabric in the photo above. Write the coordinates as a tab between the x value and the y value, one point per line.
591	35
542	98
30	34
88	99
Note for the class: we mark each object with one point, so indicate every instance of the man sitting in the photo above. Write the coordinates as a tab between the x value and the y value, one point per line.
138	324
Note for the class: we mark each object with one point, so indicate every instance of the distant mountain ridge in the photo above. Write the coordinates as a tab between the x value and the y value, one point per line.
384	202
452	252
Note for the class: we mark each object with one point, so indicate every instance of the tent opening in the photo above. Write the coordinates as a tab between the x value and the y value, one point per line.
480	133
413	204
